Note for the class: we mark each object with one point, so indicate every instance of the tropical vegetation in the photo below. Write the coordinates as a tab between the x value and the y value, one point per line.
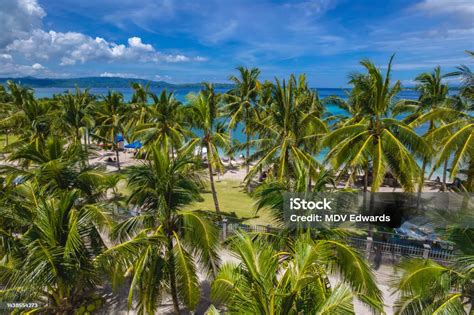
81	219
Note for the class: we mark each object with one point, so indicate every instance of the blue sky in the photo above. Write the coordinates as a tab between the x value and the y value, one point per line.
193	41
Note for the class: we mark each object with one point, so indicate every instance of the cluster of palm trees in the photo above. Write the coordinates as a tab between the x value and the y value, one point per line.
61	246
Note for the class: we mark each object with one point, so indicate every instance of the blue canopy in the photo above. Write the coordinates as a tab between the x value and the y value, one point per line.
118	138
134	145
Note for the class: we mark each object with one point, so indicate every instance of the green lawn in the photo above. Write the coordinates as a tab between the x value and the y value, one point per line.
11	139
233	201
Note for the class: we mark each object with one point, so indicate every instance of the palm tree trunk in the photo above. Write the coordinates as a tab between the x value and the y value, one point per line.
247	133
247	162
424	163
310	182
231	155
470	176
85	148
247	153
88	137
171	263
445	171
211	179
77	141
118	158
422	179
172	152
366	178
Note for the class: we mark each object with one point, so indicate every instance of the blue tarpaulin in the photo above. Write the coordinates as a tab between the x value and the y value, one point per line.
134	145
118	138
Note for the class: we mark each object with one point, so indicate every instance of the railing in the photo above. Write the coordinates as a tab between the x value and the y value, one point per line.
368	245
233	227
441	254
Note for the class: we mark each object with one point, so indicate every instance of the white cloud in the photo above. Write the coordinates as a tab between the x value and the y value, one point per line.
429	65
25	38
37	66
136	42
6	57
162	77
72	47
15	70
18	18
176	58
224	32
459	7
200	59
32	8
118	75
453	81
312	7
408	82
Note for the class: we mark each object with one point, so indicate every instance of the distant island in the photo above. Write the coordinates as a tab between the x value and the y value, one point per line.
119	82
100	82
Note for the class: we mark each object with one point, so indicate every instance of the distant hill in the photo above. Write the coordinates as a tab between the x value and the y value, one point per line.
99	82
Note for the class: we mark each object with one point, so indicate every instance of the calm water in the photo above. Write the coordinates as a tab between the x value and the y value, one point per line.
181	93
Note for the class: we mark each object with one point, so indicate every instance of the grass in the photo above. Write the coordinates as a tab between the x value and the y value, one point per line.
234	202
11	139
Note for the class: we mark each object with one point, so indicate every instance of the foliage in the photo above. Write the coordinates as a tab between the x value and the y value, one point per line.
294	281
161	247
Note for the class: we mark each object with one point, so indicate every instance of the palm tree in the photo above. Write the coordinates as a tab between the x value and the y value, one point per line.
456	135
52	262
162	245
6	111
109	116
457	140
7	125
56	166
140	93
138	110
426	287
203	113
357	100
285	129
270	194
241	103
433	99
294	281
356	106
33	118
76	118
385	142
467	79
165	125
